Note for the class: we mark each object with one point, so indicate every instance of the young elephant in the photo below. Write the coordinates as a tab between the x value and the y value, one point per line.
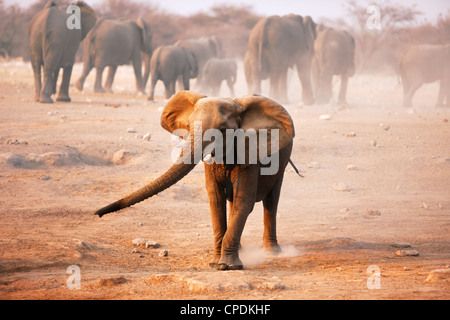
113	43
167	64
426	64
53	45
242	183
217	70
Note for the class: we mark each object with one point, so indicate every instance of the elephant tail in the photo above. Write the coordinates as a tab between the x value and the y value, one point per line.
295	168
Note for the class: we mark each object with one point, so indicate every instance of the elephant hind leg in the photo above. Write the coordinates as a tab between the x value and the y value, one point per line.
98	80
63	94
37	80
55	80
270	204
444	90
45	95
110	78
408	94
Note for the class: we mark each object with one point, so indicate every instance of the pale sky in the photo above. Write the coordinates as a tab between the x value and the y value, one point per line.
316	8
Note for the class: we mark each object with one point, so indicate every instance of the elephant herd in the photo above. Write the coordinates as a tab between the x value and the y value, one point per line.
275	45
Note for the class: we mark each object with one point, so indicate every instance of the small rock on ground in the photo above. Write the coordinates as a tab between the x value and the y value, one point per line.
407	253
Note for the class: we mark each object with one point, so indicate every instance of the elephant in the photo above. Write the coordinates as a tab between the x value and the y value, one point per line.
276	44
424	64
198	118
334	55
217	70
167	64
113	43
53	45
204	49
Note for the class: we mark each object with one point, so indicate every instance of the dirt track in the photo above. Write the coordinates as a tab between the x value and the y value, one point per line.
58	163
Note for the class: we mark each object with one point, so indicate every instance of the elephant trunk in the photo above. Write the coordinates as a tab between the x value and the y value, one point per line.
184	164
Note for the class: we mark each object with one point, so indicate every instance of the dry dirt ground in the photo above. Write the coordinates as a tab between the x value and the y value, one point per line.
376	175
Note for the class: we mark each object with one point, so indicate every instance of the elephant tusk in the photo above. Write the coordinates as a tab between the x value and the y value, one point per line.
208	159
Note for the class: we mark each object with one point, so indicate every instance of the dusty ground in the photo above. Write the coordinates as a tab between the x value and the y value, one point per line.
60	162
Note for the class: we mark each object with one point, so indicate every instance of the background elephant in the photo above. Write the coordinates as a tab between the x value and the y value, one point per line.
217	70
53	46
425	64
113	43
334	55
167	64
204	49
276	44
241	184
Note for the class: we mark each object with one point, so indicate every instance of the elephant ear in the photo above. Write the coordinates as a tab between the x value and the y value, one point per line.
178	109
146	35
310	31
263	113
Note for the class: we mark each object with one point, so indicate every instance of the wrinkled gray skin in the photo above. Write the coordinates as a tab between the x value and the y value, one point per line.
167	64
53	46
334	56
113	43
241	184
425	64
204	49
275	45
217	70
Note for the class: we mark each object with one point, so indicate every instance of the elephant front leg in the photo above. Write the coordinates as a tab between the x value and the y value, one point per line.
244	197
86	69
63	94
229	259
218	209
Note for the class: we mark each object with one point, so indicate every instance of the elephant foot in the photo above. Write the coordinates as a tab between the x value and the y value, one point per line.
214	262
230	263
63	98
79	85
44	99
99	90
272	248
